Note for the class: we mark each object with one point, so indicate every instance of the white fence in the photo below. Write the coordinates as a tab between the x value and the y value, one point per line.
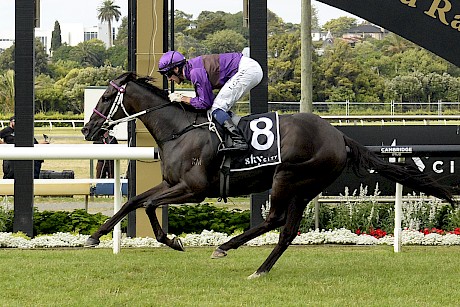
83	151
348	108
344	111
74	123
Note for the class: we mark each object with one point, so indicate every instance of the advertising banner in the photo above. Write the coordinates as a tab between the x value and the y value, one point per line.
445	169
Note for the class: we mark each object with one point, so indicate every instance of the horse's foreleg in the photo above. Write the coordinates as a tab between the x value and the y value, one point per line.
129	206
132	204
175	195
160	235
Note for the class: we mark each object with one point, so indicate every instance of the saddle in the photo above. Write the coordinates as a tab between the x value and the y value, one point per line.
261	131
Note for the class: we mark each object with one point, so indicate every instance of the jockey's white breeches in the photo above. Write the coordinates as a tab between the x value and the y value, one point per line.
249	74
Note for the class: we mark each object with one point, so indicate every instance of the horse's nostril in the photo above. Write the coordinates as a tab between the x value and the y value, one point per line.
84	131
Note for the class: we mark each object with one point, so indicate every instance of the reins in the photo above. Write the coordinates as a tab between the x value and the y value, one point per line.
118	102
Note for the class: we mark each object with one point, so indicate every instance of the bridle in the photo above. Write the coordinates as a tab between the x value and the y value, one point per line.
117	103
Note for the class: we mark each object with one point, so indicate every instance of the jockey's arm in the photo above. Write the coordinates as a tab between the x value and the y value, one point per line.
186	99
203	89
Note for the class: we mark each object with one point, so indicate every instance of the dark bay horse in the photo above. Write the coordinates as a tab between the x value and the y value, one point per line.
313	154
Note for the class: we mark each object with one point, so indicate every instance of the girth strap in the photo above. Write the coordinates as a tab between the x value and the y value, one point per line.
225	177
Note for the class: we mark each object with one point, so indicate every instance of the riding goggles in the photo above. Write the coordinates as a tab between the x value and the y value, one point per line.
169	73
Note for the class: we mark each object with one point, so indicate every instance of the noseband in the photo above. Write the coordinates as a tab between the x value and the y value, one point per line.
118	102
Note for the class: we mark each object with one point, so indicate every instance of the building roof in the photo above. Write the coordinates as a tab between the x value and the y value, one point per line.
367	28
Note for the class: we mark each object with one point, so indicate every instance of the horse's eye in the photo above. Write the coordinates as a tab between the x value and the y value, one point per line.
105	99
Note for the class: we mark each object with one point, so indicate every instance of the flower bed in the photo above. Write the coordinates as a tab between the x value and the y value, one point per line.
211	238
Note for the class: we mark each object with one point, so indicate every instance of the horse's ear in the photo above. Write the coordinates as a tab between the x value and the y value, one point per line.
146	79
125	78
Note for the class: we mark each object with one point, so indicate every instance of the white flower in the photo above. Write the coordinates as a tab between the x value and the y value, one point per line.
211	238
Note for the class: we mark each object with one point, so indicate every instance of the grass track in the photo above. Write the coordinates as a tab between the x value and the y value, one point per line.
304	276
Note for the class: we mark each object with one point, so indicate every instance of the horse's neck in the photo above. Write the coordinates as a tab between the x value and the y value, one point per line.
165	122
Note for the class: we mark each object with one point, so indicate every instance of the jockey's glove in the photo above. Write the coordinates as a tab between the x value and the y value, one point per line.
175	97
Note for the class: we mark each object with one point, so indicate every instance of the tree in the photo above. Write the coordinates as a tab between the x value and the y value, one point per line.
340	25
7	92
7	59
182	21
276	25
106	13
61	68
62	53
343	77
421	60
235	22
189	46
405	88
208	23
435	86
56	37
89	53
47	97
117	56
73	85
284	67
453	93
122	35
225	41
393	44
41	58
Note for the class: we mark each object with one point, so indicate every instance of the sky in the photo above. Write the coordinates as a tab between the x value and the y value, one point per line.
85	11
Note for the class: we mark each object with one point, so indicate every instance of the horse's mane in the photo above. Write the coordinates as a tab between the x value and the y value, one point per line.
145	81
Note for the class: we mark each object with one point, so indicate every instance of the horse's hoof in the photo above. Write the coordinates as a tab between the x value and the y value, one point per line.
256	275
218	253
177	244
91	242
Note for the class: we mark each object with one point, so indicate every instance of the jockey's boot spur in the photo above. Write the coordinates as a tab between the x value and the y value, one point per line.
238	141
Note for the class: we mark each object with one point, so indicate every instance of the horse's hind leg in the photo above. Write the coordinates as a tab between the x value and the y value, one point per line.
288	233
276	218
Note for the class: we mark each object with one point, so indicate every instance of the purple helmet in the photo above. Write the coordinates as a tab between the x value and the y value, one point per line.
169	60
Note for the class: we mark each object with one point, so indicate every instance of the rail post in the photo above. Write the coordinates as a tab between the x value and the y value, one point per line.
396	153
398	215
116	206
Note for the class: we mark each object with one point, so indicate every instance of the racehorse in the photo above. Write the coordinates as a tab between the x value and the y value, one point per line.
313	155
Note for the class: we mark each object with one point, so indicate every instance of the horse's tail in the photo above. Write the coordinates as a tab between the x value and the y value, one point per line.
361	158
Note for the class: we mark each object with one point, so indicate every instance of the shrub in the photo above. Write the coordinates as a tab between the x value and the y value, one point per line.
361	212
77	221
49	222
6	220
195	219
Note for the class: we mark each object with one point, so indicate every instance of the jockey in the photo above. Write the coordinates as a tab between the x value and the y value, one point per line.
232	73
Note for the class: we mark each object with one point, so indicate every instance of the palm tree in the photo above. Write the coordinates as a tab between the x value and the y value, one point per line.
107	12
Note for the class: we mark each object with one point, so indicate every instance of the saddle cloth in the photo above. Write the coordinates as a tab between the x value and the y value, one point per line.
261	131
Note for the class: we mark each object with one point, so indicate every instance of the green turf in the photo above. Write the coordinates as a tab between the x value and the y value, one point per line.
304	276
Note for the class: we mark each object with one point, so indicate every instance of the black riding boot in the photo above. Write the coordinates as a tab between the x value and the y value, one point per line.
238	141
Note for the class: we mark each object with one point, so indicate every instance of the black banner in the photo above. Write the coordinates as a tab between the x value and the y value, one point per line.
445	169
432	24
